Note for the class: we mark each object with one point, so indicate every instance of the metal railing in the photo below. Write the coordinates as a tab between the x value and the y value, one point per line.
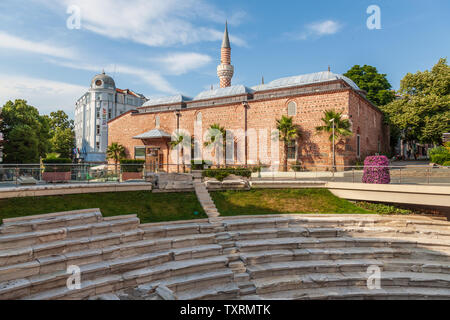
414	174
14	174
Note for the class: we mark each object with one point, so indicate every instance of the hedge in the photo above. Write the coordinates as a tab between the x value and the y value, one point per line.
51	164
200	166
131	165
376	170
439	155
221	174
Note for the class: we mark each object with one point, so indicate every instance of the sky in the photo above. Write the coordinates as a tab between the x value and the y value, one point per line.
166	47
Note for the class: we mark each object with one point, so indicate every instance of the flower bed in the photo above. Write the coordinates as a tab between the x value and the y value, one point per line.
131	176
221	174
376	170
56	170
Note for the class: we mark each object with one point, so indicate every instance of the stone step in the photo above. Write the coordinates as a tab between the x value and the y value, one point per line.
310	266
281	232
163	231
339	242
417	265
350	279
26	239
45	222
284	221
395	232
185	246
340	293
255	258
153	266
190	282
336	266
222	292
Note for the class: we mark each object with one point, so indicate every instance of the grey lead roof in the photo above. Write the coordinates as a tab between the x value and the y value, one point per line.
223	92
226	39
153	134
304	79
166	100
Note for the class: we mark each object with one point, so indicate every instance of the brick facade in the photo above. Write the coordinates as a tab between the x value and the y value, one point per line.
312	149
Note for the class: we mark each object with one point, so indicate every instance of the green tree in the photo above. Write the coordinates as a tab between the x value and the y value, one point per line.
62	142
26	133
115	152
422	112
182	140
62	134
341	127
215	132
287	132
375	84
60	120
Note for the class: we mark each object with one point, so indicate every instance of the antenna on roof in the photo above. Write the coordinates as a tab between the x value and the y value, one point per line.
329	69
262	80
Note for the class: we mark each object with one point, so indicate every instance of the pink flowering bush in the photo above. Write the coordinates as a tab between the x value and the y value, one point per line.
376	170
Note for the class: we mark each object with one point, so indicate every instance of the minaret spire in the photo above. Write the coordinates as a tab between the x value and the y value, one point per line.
225	70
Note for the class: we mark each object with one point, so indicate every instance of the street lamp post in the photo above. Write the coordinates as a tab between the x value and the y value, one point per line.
334	153
178	114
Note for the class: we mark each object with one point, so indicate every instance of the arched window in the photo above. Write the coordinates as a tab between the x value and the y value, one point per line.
292	109
157	121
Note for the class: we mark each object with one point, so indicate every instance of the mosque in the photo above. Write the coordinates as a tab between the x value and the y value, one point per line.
146	131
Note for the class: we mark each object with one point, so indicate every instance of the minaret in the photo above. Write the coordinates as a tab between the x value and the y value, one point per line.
225	70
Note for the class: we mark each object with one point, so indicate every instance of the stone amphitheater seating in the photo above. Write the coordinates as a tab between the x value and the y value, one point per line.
259	257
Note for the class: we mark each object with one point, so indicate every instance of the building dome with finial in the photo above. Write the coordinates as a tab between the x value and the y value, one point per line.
103	81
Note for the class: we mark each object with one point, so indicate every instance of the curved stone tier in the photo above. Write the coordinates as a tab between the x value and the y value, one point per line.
258	257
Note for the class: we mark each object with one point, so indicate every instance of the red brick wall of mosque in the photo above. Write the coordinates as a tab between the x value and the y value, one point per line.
312	149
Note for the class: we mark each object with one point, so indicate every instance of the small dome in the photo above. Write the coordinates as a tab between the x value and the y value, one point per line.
103	81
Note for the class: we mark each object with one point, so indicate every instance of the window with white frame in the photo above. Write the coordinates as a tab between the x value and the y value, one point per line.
292	109
139	153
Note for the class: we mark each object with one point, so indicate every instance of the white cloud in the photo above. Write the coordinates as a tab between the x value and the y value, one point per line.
183	62
321	28
152	78
8	41
151	22
46	95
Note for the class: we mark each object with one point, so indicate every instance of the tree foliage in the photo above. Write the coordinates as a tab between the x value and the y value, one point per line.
287	132
423	110
62	133
29	135
26	133
375	84
341	126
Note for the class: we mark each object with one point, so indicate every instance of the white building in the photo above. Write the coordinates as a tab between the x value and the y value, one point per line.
94	109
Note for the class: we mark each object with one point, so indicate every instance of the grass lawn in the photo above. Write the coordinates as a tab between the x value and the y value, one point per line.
281	201
150	207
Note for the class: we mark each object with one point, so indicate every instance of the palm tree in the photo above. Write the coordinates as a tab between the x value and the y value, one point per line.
115	152
212	140
180	139
341	127
287	132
